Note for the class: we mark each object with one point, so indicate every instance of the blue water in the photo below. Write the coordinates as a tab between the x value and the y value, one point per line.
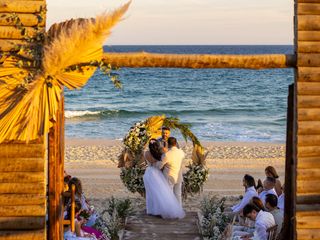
221	104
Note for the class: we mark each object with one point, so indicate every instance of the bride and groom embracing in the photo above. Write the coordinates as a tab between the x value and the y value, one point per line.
163	179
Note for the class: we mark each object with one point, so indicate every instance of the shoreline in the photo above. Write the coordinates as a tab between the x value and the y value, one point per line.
115	142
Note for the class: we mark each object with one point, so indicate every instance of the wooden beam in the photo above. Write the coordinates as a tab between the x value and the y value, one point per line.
309	1
22	150
11	223
309	47
11	45
143	59
309	114
308	60
308	186
308	199
308	174
10	32
27	20
37	188
307	208
308	222
22	199
309	101
309	128
21	177
308	74
22	165
309	140
23	211
307	234
9	6
309	35
23	235
309	8
308	88
308	162
309	23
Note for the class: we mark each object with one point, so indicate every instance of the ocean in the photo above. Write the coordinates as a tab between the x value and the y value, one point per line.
220	104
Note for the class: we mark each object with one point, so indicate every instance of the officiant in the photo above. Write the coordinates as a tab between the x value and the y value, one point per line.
163	140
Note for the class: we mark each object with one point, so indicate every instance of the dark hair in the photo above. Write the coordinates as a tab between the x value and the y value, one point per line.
271	179
165	128
257	203
155	149
249	180
77	209
272	171
248	209
272	200
77	184
172	141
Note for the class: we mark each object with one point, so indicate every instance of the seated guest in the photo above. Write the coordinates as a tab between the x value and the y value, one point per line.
250	191
271	205
79	234
281	200
248	226
256	201
271	172
263	221
268	188
84	203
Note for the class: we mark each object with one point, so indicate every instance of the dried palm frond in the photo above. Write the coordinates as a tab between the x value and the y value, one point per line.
29	98
154	125
198	156
79	42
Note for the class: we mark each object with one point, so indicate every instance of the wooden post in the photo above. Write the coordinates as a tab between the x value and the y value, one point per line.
307	120
56	169
287	231
72	223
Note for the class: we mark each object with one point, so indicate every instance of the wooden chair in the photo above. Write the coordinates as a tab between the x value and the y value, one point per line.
272	232
72	217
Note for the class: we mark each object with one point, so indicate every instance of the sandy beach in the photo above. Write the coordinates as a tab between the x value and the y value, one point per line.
95	163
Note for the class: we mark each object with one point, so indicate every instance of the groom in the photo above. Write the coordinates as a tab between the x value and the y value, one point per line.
171	164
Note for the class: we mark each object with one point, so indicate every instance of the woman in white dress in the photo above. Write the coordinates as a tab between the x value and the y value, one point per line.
160	199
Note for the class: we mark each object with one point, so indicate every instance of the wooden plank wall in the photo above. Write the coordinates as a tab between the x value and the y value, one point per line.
307	39
22	166
22	190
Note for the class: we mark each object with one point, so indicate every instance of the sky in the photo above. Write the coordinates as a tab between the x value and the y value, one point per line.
187	22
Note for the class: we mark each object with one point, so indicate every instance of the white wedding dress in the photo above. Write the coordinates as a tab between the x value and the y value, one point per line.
160	199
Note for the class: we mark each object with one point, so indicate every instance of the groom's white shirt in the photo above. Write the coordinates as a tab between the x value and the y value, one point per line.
171	164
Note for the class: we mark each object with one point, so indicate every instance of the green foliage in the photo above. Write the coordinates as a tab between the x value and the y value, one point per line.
174	123
105	68
132	178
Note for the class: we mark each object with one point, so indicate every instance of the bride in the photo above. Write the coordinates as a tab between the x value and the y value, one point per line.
160	199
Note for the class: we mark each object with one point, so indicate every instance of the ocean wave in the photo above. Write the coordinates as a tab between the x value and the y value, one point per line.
126	113
78	114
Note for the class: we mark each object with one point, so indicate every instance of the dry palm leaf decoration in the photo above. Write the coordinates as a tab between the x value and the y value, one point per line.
29	97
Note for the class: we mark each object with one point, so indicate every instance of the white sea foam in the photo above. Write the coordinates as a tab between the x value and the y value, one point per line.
74	114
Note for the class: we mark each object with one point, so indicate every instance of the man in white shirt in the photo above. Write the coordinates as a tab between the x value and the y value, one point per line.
268	188
249	184
271	205
263	221
171	164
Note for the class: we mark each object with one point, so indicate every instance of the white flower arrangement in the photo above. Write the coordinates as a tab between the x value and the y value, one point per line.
213	220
